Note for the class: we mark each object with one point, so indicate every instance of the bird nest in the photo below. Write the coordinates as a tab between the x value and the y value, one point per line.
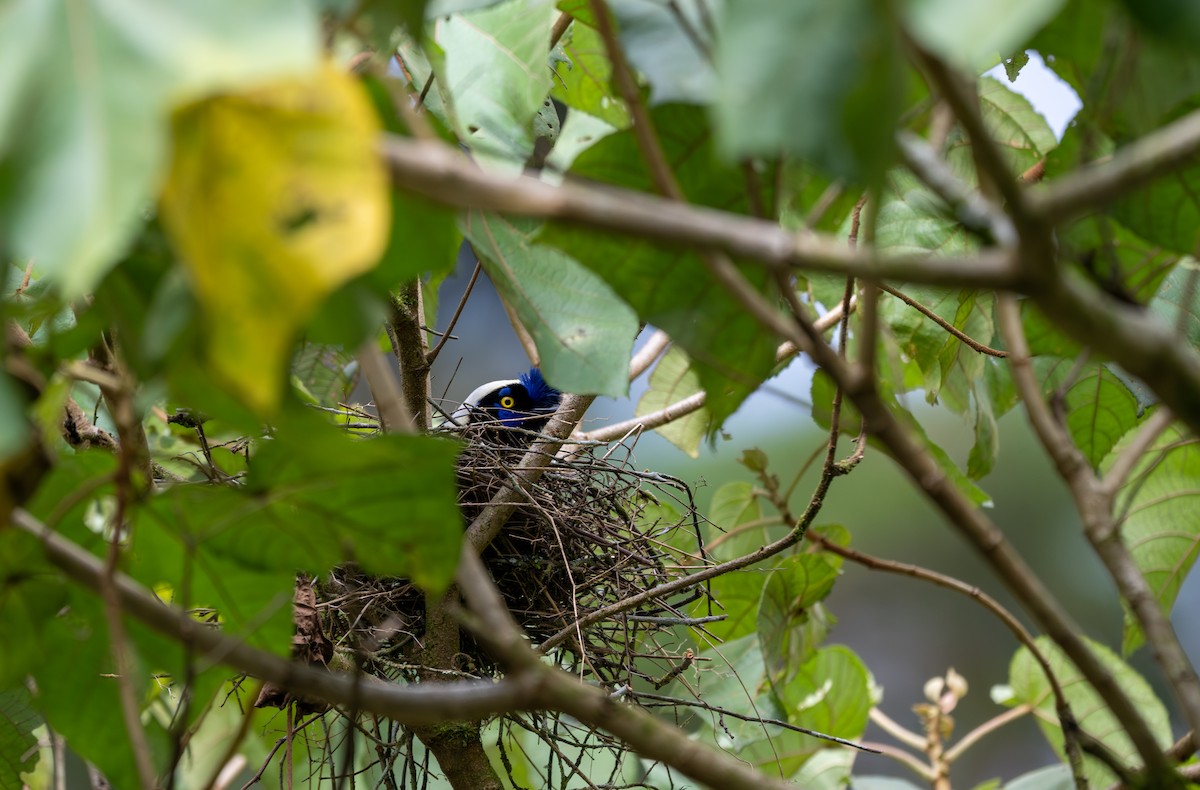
593	531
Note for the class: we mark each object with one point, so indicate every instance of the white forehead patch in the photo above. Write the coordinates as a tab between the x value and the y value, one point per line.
462	415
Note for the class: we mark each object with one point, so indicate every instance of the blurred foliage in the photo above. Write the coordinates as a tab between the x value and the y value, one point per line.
200	239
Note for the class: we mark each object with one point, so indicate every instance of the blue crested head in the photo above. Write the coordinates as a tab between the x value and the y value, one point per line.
525	402
541	394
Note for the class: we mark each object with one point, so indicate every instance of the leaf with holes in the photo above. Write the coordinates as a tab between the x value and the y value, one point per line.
582	82
496	74
1157	509
973	35
275	198
1029	686
584	332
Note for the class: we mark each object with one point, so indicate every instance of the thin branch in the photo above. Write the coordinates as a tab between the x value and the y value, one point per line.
702	705
643	127
647	354
799	526
1095	509
647	422
433	355
988	727
961	97
904	758
1066	717
693	402
560	28
970	207
896	729
963	337
484	528
962	513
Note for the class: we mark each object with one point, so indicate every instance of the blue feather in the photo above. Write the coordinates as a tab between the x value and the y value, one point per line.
542	394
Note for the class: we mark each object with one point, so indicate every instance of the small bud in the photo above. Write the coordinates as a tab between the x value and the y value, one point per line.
934	687
754	459
956	684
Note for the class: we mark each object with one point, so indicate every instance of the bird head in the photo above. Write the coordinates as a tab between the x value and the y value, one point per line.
526	402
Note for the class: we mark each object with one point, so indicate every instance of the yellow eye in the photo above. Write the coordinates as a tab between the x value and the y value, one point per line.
508	401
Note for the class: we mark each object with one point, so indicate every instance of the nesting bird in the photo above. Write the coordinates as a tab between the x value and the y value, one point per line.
526	403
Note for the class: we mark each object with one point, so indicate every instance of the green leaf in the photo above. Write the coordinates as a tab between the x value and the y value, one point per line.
670	45
424	237
1167	212
584	332
315	497
827	770
1118	260
671	288
791	621
1177	301
1053	777
31	594
974	35
843	73
672	380
582	81
18	720
822	398
1029	686
1020	131
830	693
78	693
1126	90
13	434
1099	408
731	531
81	169
913	220
1177	21
1157	509
497	76
327	373
811	199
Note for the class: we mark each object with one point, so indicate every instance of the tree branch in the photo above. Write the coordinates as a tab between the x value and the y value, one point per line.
438	172
1134	165
649	737
409	705
1095	504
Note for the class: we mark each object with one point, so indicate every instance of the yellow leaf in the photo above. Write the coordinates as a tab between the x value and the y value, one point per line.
275	197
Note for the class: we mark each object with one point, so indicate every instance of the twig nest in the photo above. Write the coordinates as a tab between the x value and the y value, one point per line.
591	532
